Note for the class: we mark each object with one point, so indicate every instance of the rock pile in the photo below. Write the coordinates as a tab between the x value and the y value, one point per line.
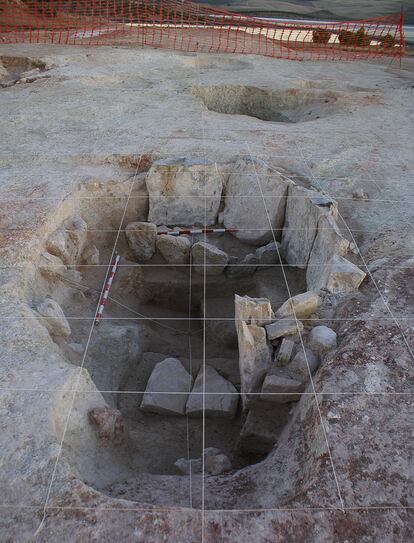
277	356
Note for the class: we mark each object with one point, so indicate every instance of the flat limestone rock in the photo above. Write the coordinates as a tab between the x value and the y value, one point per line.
209	257
179	189
174	249
328	243
252	310
301	305
282	328
343	276
223	403
141	237
167	376
301	224
254	227
279	388
53	318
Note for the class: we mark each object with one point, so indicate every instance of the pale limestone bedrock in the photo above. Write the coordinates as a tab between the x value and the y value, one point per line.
68	241
53	318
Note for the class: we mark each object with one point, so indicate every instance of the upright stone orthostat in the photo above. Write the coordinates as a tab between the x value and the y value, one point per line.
254	351
184	191
303	212
266	192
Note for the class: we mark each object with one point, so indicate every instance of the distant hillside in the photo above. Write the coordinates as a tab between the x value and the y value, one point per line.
318	9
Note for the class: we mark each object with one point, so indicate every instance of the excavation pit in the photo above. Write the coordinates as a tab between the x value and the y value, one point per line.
20	70
189	356
281	106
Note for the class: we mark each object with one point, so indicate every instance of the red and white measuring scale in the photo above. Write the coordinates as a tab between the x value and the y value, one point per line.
189	232
182	232
104	297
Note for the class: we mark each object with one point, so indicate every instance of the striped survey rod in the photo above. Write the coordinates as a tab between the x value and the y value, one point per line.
189	232
104	298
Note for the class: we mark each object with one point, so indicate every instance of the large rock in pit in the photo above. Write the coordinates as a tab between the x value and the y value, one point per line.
174	249
255	188
343	276
223	403
53	318
298	367
184	191
322	339
141	237
168	376
68	241
209	257
304	210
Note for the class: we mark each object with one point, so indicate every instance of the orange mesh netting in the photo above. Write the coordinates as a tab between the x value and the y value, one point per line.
187	26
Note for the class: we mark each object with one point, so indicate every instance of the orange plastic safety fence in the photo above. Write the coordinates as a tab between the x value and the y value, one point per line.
187	26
